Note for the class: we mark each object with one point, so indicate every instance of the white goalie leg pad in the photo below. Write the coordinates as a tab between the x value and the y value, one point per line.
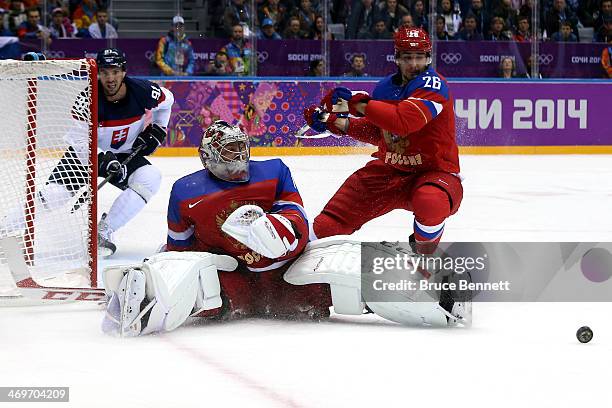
337	262
123	314
174	284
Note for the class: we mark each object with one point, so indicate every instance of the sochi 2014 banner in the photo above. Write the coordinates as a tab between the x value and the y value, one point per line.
564	113
475	59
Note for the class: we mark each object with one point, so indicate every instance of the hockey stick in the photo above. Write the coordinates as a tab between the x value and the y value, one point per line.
29	289
123	163
301	134
83	194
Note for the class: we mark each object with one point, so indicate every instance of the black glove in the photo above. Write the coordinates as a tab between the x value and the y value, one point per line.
108	165
151	138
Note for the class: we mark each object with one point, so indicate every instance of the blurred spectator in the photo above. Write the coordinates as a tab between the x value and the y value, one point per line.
357	66
526	10
452	18
481	16
239	52
605	11
441	33
101	28
407	21
468	32
4	32
419	15
606	59
380	31
558	14
31	28
507	68
306	13
273	10
496	30
316	68
565	33
17	15
605	33
293	30
220	65
361	20
527	73
316	32
523	33
174	55
340	11
392	13
238	12
61	26
84	15
267	31
507	13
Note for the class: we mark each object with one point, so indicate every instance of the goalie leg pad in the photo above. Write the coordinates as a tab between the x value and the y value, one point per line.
337	262
123	312
170	286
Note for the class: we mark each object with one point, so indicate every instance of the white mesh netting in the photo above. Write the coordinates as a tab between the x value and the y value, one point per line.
46	170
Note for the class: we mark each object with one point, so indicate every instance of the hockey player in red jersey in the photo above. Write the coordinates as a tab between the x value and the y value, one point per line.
252	211
237	234
410	117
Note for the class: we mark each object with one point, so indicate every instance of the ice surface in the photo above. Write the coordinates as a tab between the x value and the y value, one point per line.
515	355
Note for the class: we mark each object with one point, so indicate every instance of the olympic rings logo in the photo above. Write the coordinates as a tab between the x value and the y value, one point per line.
450	58
55	54
545	59
348	56
262	56
149	55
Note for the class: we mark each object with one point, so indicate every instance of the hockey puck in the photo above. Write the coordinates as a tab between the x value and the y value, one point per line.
584	334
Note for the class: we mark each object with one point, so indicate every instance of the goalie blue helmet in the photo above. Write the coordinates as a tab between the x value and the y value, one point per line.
111	57
225	152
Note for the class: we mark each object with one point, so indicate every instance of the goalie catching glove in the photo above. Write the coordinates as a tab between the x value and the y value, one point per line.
150	138
109	165
270	235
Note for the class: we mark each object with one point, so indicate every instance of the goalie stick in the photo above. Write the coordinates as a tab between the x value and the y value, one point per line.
29	289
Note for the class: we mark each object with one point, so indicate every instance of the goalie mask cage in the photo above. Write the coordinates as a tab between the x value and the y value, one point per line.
49	118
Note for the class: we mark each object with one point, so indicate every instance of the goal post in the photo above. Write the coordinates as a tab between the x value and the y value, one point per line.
48	171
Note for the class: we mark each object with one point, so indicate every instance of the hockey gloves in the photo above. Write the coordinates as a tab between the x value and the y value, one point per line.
108	165
342	100
321	121
151	138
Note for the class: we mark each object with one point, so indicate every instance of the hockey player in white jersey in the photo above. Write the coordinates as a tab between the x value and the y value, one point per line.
123	104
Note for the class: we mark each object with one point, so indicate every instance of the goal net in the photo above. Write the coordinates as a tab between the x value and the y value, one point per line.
47	176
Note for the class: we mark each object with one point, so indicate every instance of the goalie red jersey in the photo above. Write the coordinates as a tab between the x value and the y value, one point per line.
200	203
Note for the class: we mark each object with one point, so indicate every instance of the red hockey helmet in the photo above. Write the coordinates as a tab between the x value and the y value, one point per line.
413	39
